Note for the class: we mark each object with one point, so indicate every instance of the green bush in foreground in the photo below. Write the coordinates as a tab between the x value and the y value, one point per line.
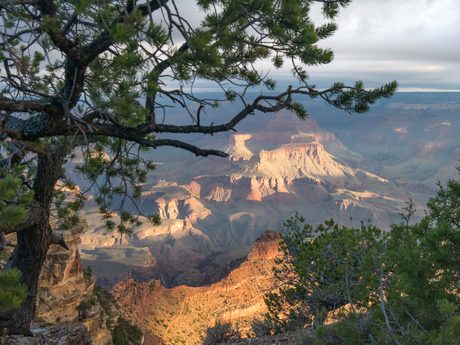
125	333
322	269
400	287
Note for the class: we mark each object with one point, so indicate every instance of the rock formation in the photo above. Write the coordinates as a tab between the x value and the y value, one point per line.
266	247
330	165
236	150
63	333
62	283
65	292
230	202
184	313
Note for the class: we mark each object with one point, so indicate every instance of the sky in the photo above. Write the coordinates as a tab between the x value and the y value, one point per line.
416	42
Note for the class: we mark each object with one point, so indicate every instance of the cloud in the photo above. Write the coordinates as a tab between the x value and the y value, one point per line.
412	40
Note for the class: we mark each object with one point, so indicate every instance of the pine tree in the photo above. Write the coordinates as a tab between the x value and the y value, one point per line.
322	270
103	75
399	287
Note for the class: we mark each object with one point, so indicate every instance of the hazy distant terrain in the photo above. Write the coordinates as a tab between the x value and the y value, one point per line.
363	167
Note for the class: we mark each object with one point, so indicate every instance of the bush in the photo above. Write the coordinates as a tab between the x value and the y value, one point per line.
88	272
399	288
220	332
322	270
105	299
125	333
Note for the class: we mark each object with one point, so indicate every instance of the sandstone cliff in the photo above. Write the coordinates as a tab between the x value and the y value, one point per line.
266	247
64	289
237	150
184	313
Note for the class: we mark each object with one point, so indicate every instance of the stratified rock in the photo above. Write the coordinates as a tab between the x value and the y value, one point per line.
265	247
62	284
65	292
65	333
219	194
185	312
236	148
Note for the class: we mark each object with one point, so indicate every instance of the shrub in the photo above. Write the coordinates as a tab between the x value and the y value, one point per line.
220	332
322	270
126	333
399	288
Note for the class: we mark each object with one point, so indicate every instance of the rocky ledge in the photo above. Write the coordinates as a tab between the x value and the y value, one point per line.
65	333
65	292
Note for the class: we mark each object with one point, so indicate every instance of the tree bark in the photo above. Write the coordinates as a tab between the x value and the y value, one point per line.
33	243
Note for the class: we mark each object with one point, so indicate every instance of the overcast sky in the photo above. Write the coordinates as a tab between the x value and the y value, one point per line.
416	42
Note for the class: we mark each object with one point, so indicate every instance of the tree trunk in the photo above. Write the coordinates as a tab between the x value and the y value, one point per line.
33	243
28	257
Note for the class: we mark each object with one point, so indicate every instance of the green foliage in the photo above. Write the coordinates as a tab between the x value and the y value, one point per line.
117	177
87	303
106	300
13	197
12	293
130	65
323	269
88	273
125	333
424	258
401	287
347	331
220	332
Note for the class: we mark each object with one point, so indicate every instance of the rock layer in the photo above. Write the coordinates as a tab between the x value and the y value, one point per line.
64	333
64	288
288	166
184	313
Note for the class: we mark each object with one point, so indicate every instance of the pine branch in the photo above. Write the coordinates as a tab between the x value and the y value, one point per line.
34	214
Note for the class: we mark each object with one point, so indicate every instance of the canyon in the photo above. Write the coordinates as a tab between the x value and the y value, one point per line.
184	314
350	168
210	259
